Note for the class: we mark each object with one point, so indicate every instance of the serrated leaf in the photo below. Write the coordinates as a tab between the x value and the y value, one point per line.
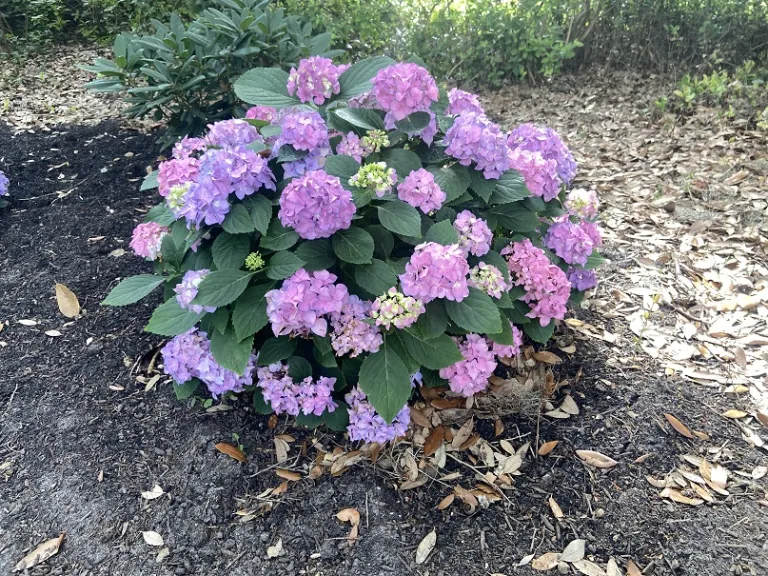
510	187
357	79
434	321
323	352
360	118
383	240
238	221
402	161
386	381
222	287
230	250
229	352
299	368
414	123
265	86
400	218
353	245
278	237
515	217
317	254
170	319
133	289
454	180
536	331
343	167
275	349
150	181
260	211
476	313
283	264
376	277
435	353
442	233
250	311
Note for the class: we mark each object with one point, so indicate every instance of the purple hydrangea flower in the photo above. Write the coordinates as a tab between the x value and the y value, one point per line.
232	133
315	160
582	279
395	308
474	138
546	286
299	306
420	190
573	242
316	205
188	146
475	236
367	426
461	101
4	184
147	239
364	100
540	174
489	279
288	397
351	333
315	80
176	172
266	113
303	130
509	350
547	142
470	375
402	89
315	397
436	271
352	145
582	203
186	291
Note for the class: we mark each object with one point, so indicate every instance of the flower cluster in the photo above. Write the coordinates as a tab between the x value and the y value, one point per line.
573	242
489	279
582	203
375	141
288	397
582	279
187	146
351	334
254	262
375	177
436	271
352	145
474	138
548	143
367	426
298	307
265	113
470	376
186	291
461	101
232	133
395	308
315	80
303	130
4	184
189	356
402	89
475	236
147	239
420	190
544	283
540	174
509	350
316	205
176	172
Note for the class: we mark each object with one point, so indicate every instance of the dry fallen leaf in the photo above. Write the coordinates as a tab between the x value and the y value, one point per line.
679	427
425	547
445	502
596	459
547	357
633	570
546	561
40	554
735	414
231	451
153	494
569	406
52	333
557	512
679	497
588	568
281	450
433	441
288	475
153	538
350	515
574	551
547	447
69	306
612	569
27	322
276	550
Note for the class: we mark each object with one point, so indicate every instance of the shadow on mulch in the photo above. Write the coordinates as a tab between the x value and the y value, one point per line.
80	439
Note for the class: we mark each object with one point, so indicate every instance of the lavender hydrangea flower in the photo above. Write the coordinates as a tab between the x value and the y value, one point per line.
509	350
395	308
351	334
474	138
364	100
461	101
176	172
303	130
475	236
266	113
367	426
4	184
582	203
232	133
315	80
316	205
186	291
288	397
420	190
582	279
402	89
315	396
546	285
147	239
489	279
540	174
188	146
436	271
547	142
299	306
470	375
351	145
573	242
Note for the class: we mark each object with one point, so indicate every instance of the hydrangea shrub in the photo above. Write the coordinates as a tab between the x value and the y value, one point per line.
359	233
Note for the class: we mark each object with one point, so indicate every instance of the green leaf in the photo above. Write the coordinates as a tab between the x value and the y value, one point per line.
250	312
515	218
222	287
505	336
275	349
432	379
219	319
510	187
238	221
161	214
395	340
403	161
173	255
443	233
170	319
260	210
133	289
400	218
353	245
476	313
360	118
186	390
454	181
434	321
517	313
376	277
229	352
230	250
283	264
337	420
323	352
386	381
265	86
414	123
482	187
317	254
595	260
539	333
343	167
299	368
357	79
278	237
434	354
383	241
149	182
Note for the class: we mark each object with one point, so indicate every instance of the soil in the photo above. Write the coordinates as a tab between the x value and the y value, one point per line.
80	438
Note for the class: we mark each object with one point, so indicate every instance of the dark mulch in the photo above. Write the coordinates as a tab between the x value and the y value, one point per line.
78	453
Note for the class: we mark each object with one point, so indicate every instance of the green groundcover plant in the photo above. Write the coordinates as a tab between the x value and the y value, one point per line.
361	233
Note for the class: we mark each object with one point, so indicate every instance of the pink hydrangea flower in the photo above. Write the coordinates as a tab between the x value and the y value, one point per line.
489	279
548	143
475	236
351	333
364	100
266	113
316	205
299	307
395	308
582	203
461	101
436	271
232	133
367	426
402	89
540	174
303	130
351	145
176	172
315	80
288	397
188	146
573	242
546	287
470	376
420	190
186	291
147	239
474	138
509	350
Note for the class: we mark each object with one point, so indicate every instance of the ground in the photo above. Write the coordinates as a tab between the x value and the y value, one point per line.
82	434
